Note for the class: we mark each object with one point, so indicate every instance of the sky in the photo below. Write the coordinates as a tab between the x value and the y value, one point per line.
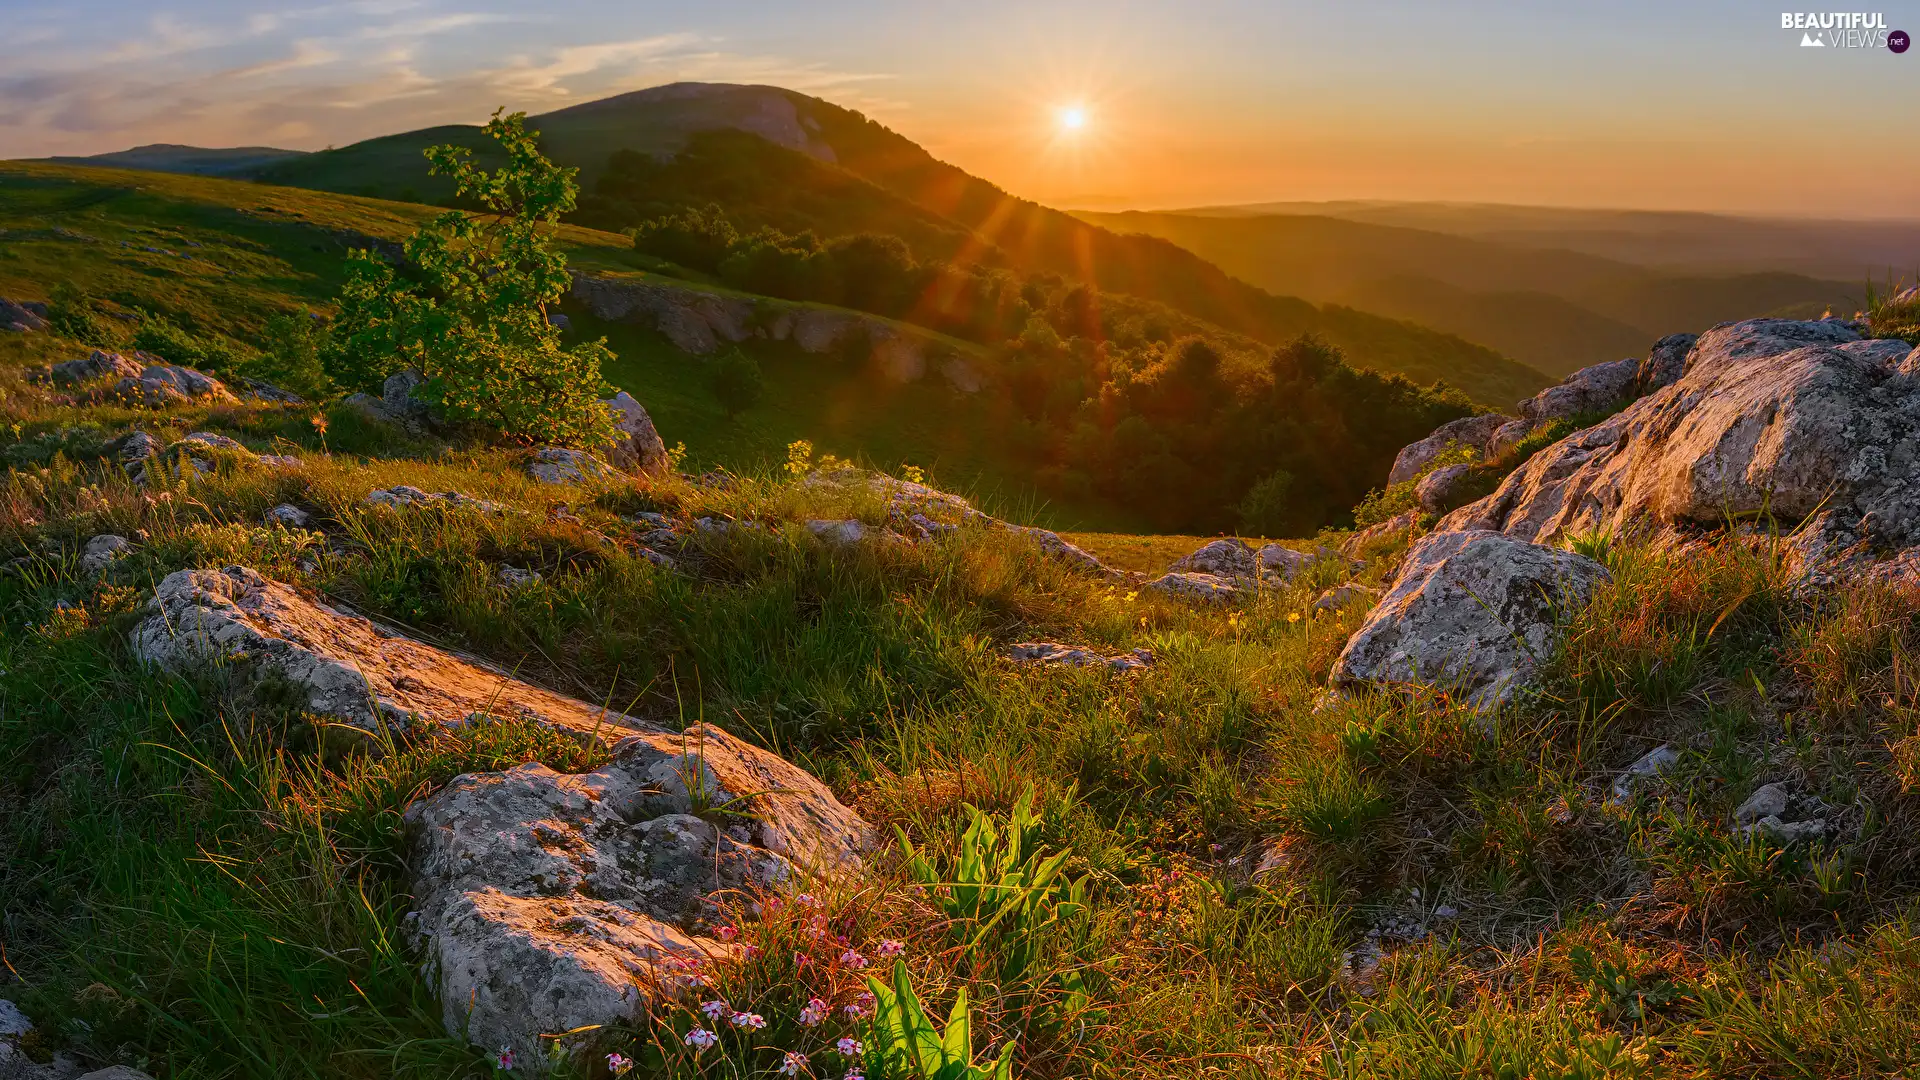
1696	105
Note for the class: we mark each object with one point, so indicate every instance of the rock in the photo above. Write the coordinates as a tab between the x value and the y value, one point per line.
288	515
637	446
558	465
1280	562
98	366
1887	352
22	318
1344	594
1474	432
559	321
279	461
1666	361
512	577
551	903
1902	571
838	532
1507	437
1209	588
1052	652
695	321
1599	388
261	390
169	384
1654	762
1356	546
899	358
1440	489
116	1072
962	375
1472	612
1772	417
101	551
399	398
343	666
136	449
1768	800
1053	546
1228	558
402	495
208	440
13	1022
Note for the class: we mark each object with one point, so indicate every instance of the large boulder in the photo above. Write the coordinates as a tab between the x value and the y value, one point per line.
1471	612
341	666
1228	558
553	903
97	366
23	317
1442	489
1666	361
1598	388
637	446
1474	432
1772	417
559	465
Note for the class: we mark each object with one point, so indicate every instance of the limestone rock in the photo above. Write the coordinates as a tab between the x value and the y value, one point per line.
261	390
101	551
1344	595
1591	389
22	317
98	366
513	577
1206	588
169	384
136	449
1054	546
1666	361
399	396
1052	652
402	495
1768	800
1226	558
844	532
1474	432
1653	763
1440	489
558	465
1507	437
1472	612
13	1022
1280	562
288	515
637	445
1771	417
550	903
1379	532
343	666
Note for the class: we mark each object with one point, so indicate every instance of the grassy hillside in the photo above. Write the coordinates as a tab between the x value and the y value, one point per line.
194	160
812	165
1557	310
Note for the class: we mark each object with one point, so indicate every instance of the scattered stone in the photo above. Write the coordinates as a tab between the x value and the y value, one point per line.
101	551
1280	562
558	465
13	1023
22	317
1666	362
555	903
1600	388
1473	432
288	515
1209	588
398	395
559	321
137	449
346	667
838	532
662	561
637	445
1226	558
210	441
1509	436
279	461
261	390
1770	418
1767	801
170	384
1472	612
1051	652
1653	763
1356	546
1052	545
1340	596
512	577
403	495
98	366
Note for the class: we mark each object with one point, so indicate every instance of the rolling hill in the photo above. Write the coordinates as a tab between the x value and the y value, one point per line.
1553	308
193	160
811	164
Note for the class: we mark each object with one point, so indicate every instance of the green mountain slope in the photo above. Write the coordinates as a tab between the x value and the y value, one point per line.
1556	310
815	165
193	160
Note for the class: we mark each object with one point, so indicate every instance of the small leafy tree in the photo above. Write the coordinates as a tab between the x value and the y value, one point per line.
290	354
470	312
737	382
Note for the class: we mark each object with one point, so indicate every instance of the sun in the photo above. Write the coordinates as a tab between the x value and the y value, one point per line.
1073	117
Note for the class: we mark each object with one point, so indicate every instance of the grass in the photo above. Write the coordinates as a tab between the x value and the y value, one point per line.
1260	886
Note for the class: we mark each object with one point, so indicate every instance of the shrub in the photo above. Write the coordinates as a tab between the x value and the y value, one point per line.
696	239
291	355
1890	317
737	382
71	315
1265	510
471	313
176	345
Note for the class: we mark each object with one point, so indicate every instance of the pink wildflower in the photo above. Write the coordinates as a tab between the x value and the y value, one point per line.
849	1047
890	948
808	899
726	933
792	1063
814	1013
619	1064
852	959
748	1020
715	1009
700	1038
505	1060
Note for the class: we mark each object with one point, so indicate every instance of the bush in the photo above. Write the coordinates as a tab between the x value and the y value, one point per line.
696	239
176	345
737	382
291	356
70	314
471	314
1265	510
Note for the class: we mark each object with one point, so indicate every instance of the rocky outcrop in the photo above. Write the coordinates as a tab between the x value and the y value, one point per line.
1440	490
341	666
1054	653
22	316
15	1064
637	446
139	379
1229	558
1473	432
1470	612
1192	586
1344	595
1772	417
1359	544
1600	388
403	496
701	323
559	465
1665	363
102	551
1280	563
552	903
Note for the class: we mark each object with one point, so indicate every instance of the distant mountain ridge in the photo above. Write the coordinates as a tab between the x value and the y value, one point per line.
238	161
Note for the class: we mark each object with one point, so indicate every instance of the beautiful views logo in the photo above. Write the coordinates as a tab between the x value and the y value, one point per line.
1844	30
